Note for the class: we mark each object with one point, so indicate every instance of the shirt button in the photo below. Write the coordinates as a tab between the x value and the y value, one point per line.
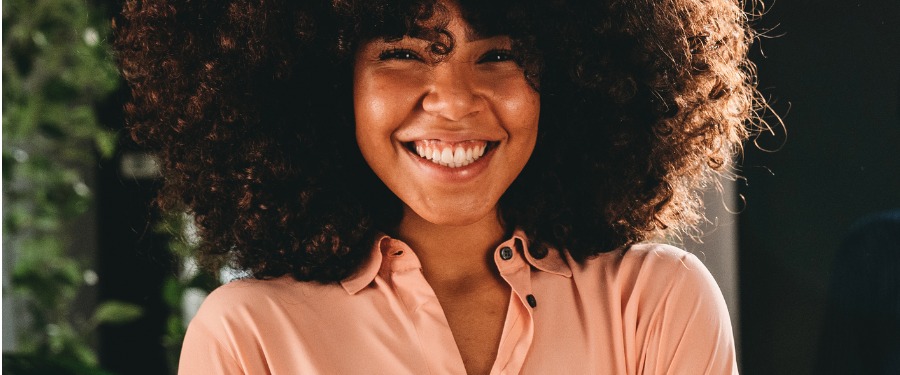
531	300
506	253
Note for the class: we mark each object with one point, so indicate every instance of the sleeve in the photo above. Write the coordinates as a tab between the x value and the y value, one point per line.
689	329
203	353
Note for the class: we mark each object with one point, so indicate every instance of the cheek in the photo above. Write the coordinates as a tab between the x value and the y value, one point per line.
521	112
519	106
514	99
382	100
369	107
372	114
526	108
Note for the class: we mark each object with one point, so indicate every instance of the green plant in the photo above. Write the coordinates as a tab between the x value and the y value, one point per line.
189	282
56	66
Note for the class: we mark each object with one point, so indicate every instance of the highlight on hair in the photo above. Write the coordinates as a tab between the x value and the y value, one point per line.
248	106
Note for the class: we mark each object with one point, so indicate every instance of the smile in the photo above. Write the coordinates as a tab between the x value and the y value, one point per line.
450	154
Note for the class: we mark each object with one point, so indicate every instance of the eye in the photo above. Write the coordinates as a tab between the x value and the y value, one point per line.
399	54
497	55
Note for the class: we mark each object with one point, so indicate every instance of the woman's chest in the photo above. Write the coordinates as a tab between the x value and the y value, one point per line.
541	332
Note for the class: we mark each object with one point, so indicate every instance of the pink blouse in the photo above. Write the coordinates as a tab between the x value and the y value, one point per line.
653	310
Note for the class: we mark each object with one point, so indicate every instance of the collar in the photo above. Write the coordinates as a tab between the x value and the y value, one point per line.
386	247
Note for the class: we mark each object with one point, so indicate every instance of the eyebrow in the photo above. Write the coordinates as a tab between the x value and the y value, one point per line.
471	35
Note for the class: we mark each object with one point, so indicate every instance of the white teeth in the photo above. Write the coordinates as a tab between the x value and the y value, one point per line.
459	157
447	156
450	156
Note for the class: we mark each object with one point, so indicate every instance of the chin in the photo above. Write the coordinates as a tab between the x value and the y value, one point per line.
454	216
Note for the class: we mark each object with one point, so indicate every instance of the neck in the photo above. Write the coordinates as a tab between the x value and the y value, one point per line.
450	254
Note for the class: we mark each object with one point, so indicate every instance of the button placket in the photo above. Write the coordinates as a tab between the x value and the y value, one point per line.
518	332
515	270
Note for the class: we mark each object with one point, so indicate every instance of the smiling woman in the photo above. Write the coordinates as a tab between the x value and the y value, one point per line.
445	186
473	99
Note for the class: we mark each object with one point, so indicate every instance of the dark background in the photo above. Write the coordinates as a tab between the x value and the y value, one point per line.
831	70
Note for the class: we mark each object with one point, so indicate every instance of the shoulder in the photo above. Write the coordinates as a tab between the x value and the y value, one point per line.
656	260
241	296
250	308
670	303
651	278
661	256
646	265
668	276
224	328
243	318
251	299
227	313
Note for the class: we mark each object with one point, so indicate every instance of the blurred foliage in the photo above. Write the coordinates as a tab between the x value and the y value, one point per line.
57	65
29	363
187	288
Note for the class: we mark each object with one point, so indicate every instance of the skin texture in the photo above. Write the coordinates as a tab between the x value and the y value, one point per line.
466	96
404	94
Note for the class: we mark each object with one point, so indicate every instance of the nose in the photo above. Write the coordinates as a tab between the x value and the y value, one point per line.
453	94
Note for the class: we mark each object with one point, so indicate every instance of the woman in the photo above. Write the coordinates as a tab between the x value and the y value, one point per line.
445	187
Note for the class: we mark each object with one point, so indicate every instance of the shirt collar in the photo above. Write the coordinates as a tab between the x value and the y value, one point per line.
552	263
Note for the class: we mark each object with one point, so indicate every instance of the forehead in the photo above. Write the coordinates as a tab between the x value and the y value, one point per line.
457	27
433	20
460	27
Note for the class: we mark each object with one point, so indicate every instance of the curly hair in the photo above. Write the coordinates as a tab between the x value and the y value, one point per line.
248	105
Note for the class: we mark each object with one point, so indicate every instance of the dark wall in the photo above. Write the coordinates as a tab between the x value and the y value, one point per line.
833	68
132	260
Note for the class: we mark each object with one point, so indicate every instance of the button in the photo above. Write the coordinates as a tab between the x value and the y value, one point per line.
506	253
531	300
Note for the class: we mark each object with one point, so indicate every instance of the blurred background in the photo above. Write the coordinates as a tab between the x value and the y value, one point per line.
832	71
96	282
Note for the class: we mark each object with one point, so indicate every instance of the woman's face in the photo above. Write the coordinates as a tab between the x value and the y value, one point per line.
447	135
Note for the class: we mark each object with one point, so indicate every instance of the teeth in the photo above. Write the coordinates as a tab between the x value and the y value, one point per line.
435	156
448	155
459	156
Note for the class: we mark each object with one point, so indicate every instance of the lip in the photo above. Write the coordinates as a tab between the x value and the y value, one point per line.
448	136
452	175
